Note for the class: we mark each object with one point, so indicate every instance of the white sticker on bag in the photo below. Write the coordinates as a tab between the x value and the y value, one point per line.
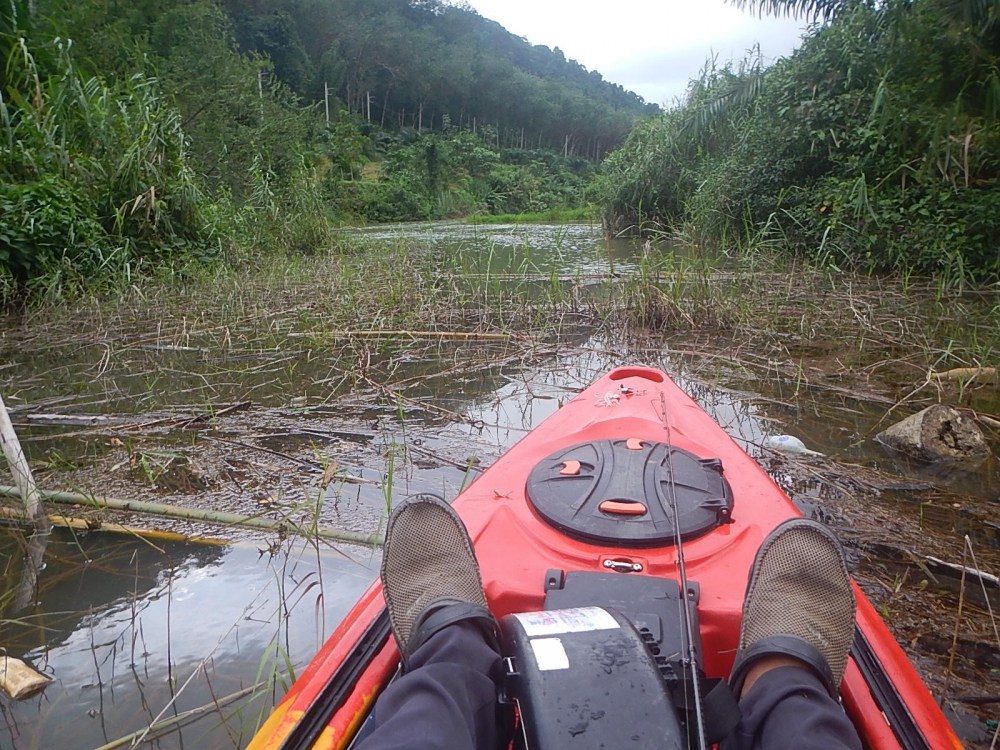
549	654
577	620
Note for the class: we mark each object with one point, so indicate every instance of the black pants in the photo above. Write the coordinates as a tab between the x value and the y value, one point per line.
447	701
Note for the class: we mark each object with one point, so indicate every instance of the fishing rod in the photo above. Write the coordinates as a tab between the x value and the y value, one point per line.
688	626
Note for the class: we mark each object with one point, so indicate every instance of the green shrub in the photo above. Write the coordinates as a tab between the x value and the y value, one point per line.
876	144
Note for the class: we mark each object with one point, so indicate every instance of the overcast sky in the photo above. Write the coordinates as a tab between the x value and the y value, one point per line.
653	47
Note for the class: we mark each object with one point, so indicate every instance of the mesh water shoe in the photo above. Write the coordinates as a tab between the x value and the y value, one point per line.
430	575
799	604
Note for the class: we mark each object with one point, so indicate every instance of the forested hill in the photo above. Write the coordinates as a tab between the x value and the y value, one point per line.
419	63
423	64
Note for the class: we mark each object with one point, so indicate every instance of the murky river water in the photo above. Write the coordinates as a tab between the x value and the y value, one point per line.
139	631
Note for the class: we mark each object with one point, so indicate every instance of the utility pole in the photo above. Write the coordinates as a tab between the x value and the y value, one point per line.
326	101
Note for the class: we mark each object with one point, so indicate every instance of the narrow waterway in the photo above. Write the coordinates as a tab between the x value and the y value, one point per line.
264	416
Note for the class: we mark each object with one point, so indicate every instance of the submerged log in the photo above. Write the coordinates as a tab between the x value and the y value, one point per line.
938	433
18	679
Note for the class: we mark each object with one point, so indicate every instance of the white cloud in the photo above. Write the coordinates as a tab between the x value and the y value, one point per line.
653	47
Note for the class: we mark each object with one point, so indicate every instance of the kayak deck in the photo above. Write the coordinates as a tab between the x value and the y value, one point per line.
628	423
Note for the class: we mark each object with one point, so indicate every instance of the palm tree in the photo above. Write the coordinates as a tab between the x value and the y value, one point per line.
808	9
983	14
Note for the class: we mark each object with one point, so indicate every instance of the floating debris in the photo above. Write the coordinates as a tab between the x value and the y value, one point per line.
19	680
789	444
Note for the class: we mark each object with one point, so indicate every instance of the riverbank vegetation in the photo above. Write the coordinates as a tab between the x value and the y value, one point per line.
170	133
175	133
875	145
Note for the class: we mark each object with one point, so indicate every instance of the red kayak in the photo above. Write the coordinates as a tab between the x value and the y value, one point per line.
587	510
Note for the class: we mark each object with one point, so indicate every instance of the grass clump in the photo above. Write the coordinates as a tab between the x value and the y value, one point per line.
786	308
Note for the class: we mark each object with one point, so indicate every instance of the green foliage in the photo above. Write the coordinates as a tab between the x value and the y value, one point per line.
440	176
233	108
94	178
811	9
877	145
293	219
151	140
46	223
580	215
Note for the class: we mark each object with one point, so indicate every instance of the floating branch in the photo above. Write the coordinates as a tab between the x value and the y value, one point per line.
968	374
182	718
200	514
364	333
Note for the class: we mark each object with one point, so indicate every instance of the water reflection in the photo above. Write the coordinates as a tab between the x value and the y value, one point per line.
542	249
135	631
30	559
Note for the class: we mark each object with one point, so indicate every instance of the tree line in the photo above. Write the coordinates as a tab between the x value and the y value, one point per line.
414	62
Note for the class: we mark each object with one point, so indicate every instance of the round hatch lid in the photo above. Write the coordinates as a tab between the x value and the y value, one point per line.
621	492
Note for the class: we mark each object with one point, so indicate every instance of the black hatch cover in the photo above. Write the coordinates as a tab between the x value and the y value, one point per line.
621	492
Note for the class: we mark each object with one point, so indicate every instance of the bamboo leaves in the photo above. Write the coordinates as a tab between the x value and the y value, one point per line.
877	143
87	169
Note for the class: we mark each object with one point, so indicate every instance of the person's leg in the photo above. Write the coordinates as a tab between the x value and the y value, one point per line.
798	624
446	699
448	640
789	707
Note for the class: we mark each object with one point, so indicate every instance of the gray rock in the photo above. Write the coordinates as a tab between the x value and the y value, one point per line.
938	433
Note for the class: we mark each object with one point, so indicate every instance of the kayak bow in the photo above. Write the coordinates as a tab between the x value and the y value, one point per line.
613	483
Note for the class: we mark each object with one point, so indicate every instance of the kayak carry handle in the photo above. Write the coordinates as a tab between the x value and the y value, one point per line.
570	469
647	373
623	508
